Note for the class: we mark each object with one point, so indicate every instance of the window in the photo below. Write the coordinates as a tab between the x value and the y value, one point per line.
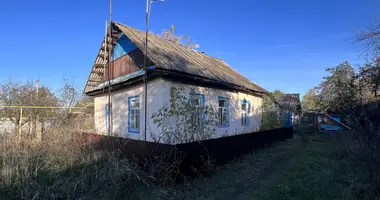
245	109
198	101
107	113
134	114
223	117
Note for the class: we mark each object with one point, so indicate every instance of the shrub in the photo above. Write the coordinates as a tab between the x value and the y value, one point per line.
272	115
362	147
181	121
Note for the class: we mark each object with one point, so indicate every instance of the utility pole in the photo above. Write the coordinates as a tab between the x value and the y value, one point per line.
145	77
110	73
105	54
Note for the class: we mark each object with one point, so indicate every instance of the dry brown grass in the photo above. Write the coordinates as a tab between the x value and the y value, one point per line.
61	168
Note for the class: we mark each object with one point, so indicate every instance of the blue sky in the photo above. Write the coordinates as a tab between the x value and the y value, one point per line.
282	45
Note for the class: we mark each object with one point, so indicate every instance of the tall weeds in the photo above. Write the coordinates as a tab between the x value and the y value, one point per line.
363	148
357	165
59	167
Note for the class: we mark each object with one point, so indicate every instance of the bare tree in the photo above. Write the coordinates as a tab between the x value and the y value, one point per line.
68	95
25	94
87	102
370	38
369	74
169	35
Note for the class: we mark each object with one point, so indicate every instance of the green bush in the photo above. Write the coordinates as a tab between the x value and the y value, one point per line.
272	115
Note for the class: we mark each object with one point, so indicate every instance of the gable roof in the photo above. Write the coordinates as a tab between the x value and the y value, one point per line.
168	55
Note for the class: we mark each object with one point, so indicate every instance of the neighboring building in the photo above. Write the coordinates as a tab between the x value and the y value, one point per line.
290	103
170	64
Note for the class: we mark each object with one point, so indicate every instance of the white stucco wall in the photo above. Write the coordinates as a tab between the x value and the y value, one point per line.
157	91
159	95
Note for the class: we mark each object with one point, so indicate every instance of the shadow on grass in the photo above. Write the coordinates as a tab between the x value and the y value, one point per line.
99	167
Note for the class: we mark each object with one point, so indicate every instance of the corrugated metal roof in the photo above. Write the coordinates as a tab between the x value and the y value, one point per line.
169	55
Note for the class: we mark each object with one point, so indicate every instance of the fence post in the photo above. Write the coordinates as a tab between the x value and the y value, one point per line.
38	129
20	125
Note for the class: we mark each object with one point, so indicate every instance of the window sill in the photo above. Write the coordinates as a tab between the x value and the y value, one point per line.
133	131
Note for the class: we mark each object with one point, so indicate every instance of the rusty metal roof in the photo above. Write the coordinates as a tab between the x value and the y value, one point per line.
170	55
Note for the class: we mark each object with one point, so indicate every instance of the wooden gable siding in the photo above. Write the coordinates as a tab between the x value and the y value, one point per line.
126	64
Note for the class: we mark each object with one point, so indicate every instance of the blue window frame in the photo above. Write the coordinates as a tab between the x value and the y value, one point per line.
245	108
198	101
107	113
134	114
223	111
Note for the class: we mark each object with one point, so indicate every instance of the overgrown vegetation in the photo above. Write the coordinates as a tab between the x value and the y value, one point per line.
61	168
355	96
362	148
185	119
272	115
307	167
14	94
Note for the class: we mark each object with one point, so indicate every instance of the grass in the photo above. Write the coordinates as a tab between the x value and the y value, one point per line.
59	168
314	172
305	167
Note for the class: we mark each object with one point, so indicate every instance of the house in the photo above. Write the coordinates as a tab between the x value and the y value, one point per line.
237	99
291	104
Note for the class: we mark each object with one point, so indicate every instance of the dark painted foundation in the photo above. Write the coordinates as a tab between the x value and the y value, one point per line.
194	154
